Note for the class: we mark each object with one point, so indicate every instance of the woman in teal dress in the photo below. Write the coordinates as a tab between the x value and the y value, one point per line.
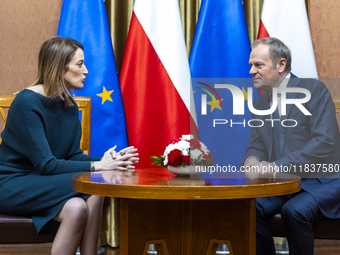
40	153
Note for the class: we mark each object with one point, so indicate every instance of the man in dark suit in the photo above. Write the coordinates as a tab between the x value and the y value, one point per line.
308	141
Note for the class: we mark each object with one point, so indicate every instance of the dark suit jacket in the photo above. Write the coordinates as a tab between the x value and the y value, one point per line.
315	140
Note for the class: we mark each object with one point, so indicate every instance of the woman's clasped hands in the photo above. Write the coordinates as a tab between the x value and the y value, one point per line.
121	160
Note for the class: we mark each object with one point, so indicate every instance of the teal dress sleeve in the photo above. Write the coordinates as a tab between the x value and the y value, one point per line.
45	135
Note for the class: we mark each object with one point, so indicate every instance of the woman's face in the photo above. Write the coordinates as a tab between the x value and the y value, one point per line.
76	73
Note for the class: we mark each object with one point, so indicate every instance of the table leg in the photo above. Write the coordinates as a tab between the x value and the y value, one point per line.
191	227
145	222
232	222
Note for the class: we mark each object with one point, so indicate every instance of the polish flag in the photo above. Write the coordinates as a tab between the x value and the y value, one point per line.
287	21
155	79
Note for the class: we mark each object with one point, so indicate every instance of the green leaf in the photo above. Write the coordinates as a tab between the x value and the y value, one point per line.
183	164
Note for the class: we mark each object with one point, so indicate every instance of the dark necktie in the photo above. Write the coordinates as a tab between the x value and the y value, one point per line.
276	134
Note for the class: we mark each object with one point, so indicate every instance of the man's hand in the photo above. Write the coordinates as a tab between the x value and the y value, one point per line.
256	169
252	161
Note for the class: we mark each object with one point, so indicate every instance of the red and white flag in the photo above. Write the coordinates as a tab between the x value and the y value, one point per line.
287	21
155	79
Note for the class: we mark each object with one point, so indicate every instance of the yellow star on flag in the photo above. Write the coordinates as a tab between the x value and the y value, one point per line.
245	94
214	104
106	95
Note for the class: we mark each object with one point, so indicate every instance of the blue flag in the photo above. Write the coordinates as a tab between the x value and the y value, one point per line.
220	55
86	22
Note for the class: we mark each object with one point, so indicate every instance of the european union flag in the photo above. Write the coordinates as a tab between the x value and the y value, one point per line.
221	50
86	22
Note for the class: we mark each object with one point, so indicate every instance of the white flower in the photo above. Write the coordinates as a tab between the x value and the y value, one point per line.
204	148
168	148
182	145
185	152
195	153
187	137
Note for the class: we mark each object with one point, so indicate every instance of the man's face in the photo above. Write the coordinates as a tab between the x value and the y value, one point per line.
265	75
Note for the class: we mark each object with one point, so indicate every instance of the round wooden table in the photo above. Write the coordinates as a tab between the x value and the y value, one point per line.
183	215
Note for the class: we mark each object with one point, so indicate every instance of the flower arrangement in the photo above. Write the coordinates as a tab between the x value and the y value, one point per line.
184	151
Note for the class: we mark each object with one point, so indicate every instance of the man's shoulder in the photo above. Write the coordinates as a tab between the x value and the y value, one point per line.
311	84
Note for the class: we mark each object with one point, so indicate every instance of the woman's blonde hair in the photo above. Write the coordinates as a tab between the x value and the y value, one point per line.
54	58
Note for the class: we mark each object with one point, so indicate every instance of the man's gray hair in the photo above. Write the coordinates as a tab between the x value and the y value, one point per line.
277	50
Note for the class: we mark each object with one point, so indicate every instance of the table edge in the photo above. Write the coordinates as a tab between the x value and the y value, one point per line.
186	192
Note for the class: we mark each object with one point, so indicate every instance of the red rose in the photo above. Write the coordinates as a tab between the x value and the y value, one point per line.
175	158
175	140
207	156
195	144
186	159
